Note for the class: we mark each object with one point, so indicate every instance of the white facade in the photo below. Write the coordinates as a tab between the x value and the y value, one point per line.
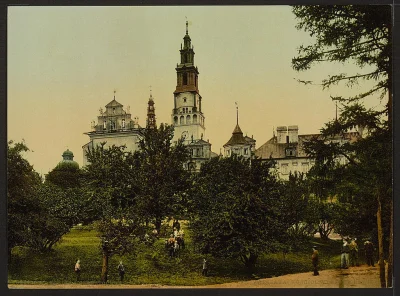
286	149
186	116
115	127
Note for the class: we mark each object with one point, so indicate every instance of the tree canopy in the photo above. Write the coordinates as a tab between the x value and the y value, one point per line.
360	34
356	33
236	210
162	179
22	184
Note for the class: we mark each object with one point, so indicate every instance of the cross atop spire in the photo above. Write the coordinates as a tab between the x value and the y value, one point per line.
237	113
187	26
114	93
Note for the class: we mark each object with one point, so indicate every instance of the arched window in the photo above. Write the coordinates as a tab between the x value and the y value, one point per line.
188	119
195	118
176	120
105	124
123	123
182	120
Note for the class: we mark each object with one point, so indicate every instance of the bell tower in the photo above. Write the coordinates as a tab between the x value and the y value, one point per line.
151	116
187	116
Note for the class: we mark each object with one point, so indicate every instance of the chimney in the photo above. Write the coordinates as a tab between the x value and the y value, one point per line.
281	132
293	132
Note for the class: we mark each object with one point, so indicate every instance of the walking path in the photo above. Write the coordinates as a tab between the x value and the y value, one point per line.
354	277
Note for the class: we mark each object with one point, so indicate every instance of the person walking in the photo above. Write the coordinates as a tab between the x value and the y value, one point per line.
345	255
369	253
315	260
205	267
176	249
121	271
353	253
78	270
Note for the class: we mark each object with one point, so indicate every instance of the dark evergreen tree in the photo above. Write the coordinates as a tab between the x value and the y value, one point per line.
360	34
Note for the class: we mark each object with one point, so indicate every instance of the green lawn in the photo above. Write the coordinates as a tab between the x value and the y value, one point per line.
152	264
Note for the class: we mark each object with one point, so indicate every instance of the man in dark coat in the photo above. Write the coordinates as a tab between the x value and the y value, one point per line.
369	253
205	267
315	260
121	270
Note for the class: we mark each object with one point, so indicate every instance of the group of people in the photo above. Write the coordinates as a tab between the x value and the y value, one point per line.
350	252
349	255
173	244
176	241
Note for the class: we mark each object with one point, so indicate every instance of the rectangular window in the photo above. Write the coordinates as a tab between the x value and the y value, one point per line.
284	168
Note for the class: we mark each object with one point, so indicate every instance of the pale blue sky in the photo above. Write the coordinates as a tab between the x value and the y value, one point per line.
65	62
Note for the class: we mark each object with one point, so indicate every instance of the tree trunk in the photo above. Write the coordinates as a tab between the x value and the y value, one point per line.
390	259
380	244
158	224
104	270
390	118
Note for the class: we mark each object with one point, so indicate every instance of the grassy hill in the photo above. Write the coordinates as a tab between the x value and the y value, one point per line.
152	264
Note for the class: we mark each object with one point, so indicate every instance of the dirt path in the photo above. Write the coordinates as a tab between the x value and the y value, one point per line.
354	277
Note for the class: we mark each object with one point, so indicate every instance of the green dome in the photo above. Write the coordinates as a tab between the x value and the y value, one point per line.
68	155
68	161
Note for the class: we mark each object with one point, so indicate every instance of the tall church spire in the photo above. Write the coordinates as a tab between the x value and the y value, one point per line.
237	113
151	116
187	116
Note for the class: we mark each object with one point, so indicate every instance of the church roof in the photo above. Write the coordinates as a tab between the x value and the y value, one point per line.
273	149
237	137
201	142
249	140
113	103
213	154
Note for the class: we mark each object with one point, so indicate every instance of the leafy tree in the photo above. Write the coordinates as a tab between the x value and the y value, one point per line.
300	216
162	180
236	209
22	183
111	191
360	34
58	211
65	176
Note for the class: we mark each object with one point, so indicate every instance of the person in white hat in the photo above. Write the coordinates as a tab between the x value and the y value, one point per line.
344	258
